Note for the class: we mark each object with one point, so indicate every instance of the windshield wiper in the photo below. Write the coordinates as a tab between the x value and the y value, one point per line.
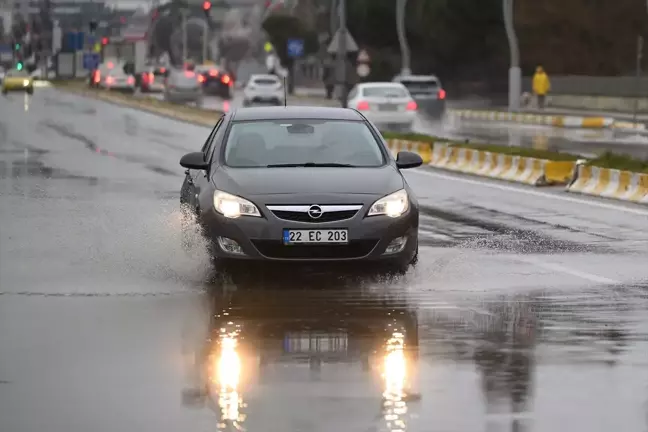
312	165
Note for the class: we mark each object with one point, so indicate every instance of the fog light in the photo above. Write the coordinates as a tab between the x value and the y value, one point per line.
230	246
396	245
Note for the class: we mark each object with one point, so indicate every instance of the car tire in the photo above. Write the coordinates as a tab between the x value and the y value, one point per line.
30	91
246	103
4	92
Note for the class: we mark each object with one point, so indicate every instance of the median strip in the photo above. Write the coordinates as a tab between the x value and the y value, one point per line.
562	121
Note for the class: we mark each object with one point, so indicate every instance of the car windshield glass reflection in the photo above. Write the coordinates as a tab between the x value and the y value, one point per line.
16	73
421	87
384	91
302	143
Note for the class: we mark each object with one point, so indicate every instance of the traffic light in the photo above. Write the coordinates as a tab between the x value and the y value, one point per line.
17	47
19	66
206	7
104	41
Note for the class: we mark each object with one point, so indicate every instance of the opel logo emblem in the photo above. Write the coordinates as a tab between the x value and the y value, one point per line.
315	212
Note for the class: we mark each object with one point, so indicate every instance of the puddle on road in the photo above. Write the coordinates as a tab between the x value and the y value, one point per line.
325	338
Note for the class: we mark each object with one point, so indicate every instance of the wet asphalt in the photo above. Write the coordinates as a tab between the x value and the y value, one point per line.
527	310
588	143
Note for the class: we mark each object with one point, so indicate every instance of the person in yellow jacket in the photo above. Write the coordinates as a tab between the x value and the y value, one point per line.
541	86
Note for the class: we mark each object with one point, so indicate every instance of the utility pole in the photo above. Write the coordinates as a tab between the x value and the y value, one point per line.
183	13
402	37
515	73
333	18
342	52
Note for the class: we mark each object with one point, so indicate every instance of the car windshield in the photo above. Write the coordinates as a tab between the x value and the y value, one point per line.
17	73
384	91
266	81
302	143
421	87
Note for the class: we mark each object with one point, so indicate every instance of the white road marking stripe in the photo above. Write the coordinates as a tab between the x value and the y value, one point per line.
529	191
566	270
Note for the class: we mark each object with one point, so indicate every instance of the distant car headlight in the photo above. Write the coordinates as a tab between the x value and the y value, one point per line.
25	83
393	205
232	206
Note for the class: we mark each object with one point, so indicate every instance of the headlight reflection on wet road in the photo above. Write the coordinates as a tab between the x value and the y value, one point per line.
226	378
395	375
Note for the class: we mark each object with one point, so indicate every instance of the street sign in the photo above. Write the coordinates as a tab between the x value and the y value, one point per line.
295	48
334	46
90	61
6	52
363	70
363	57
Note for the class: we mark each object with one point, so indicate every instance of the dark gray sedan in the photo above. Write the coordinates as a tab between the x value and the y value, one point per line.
428	93
301	184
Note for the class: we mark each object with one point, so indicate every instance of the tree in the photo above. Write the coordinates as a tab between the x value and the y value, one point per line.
281	28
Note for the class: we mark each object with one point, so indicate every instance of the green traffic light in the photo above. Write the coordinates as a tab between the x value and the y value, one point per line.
17	47
19	66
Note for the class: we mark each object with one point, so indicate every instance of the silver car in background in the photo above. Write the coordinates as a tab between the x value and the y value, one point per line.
428	93
183	86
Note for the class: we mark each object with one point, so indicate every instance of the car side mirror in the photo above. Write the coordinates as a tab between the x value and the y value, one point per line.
407	159
195	160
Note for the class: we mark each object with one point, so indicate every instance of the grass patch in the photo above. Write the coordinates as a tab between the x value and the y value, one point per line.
620	162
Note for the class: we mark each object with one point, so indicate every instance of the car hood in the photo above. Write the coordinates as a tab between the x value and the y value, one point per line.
274	181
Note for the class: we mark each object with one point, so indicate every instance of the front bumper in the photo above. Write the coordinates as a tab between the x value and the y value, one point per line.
260	238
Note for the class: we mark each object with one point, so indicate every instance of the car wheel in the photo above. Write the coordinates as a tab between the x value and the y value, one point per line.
30	91
246	103
4	92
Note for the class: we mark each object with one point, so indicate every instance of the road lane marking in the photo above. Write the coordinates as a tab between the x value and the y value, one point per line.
529	191
566	270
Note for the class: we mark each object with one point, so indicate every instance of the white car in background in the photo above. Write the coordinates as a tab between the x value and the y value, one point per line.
111	76
387	105
264	89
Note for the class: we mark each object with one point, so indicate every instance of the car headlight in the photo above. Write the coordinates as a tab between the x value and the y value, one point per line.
233	207
393	205
25	83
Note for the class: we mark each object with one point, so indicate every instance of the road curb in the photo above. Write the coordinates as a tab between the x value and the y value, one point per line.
518	169
423	149
562	121
610	183
151	105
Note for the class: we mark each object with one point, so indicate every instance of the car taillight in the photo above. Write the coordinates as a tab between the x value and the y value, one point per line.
110	80
201	79
213	73
97	77
130	80
363	106
411	106
442	94
226	79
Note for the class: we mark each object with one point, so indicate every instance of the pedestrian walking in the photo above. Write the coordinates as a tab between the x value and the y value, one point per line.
541	86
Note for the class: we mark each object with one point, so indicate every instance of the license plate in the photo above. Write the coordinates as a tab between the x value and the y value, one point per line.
339	236
387	107
315	343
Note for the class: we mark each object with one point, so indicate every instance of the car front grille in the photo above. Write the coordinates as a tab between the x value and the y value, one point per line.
330	216
276	249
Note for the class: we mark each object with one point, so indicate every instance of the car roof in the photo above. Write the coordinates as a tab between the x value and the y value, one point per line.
381	84
415	78
295	112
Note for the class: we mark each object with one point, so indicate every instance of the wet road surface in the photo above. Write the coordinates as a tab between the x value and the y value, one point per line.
526	312
584	142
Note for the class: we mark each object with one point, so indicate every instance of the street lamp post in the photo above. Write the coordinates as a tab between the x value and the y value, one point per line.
515	73
402	38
